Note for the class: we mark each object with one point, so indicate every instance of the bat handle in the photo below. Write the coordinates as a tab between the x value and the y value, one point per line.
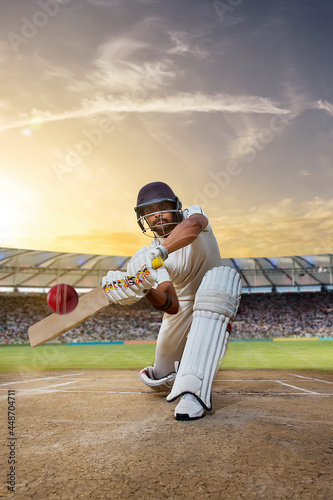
157	262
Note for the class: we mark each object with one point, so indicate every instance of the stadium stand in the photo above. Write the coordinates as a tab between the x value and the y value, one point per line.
259	316
273	303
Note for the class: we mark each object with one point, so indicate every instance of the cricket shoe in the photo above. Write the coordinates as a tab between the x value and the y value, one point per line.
189	408
159	385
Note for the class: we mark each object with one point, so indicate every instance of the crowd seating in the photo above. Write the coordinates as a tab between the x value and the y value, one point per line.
260	316
284	315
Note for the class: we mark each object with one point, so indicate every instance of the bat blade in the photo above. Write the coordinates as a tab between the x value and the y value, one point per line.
56	324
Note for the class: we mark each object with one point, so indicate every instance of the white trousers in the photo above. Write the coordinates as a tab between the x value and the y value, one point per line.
172	339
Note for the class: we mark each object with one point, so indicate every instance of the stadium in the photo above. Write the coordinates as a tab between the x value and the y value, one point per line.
83	388
36	271
303	285
228	102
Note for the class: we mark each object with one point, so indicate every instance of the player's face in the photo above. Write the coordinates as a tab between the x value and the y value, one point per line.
158	217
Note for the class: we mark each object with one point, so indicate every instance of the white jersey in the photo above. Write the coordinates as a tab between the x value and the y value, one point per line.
186	267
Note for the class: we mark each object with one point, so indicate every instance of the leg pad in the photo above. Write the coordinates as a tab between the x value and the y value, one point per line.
216	304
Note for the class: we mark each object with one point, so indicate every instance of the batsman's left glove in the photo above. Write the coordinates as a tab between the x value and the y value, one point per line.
121	289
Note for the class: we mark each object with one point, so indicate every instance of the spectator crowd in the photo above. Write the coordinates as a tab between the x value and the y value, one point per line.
260	316
284	315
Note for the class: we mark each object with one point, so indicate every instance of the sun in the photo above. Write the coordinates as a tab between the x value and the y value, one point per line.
14	217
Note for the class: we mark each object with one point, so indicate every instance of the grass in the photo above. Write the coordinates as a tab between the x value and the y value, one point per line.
305	355
291	355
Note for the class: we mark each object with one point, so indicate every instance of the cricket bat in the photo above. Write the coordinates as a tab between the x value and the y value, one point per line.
56	324
89	304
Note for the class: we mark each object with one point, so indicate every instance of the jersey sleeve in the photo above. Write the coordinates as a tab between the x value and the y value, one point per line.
162	276
195	209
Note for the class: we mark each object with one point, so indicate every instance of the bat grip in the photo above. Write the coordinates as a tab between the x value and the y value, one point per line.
157	262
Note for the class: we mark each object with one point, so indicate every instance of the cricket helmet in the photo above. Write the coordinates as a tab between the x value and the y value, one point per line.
152	193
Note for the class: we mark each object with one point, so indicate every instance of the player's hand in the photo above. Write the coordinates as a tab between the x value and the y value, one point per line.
144	264
140	266
121	289
158	255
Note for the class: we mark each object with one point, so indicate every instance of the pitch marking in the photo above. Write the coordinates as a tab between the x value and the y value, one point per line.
226	380
269	394
233	393
38	379
298	388
311	378
105	392
42	389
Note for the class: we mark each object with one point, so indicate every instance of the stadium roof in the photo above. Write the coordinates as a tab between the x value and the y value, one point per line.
32	270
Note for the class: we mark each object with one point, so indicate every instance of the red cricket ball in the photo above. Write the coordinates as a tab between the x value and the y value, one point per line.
62	298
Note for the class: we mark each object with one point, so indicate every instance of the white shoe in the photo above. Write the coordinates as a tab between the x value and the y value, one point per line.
159	385
189	408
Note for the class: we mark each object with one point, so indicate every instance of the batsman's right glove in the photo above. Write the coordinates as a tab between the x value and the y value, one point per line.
143	265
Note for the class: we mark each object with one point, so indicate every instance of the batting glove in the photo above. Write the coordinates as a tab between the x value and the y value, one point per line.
120	288
158	256
142	267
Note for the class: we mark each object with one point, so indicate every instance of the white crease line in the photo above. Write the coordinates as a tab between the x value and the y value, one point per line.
272	394
311	378
247	380
122	380
294	387
108	392
45	378
42	389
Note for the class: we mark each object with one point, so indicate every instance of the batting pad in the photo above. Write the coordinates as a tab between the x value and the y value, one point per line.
216	304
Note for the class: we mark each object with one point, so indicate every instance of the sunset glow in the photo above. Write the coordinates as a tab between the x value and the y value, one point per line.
233	109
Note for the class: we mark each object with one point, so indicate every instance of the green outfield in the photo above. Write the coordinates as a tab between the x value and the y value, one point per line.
292	355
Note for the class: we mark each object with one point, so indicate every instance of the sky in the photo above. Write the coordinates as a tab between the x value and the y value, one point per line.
229	102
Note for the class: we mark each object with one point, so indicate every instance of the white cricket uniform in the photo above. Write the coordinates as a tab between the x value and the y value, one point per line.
185	268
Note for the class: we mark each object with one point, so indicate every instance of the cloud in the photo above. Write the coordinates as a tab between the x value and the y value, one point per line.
184	44
105	3
283	229
277	230
326	106
101	242
179	47
185	102
178	103
254	134
4	105
120	67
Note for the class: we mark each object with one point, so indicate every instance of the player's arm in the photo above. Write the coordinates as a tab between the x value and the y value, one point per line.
164	298
185	232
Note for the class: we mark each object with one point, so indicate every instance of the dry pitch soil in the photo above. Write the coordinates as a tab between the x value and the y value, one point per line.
103	434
